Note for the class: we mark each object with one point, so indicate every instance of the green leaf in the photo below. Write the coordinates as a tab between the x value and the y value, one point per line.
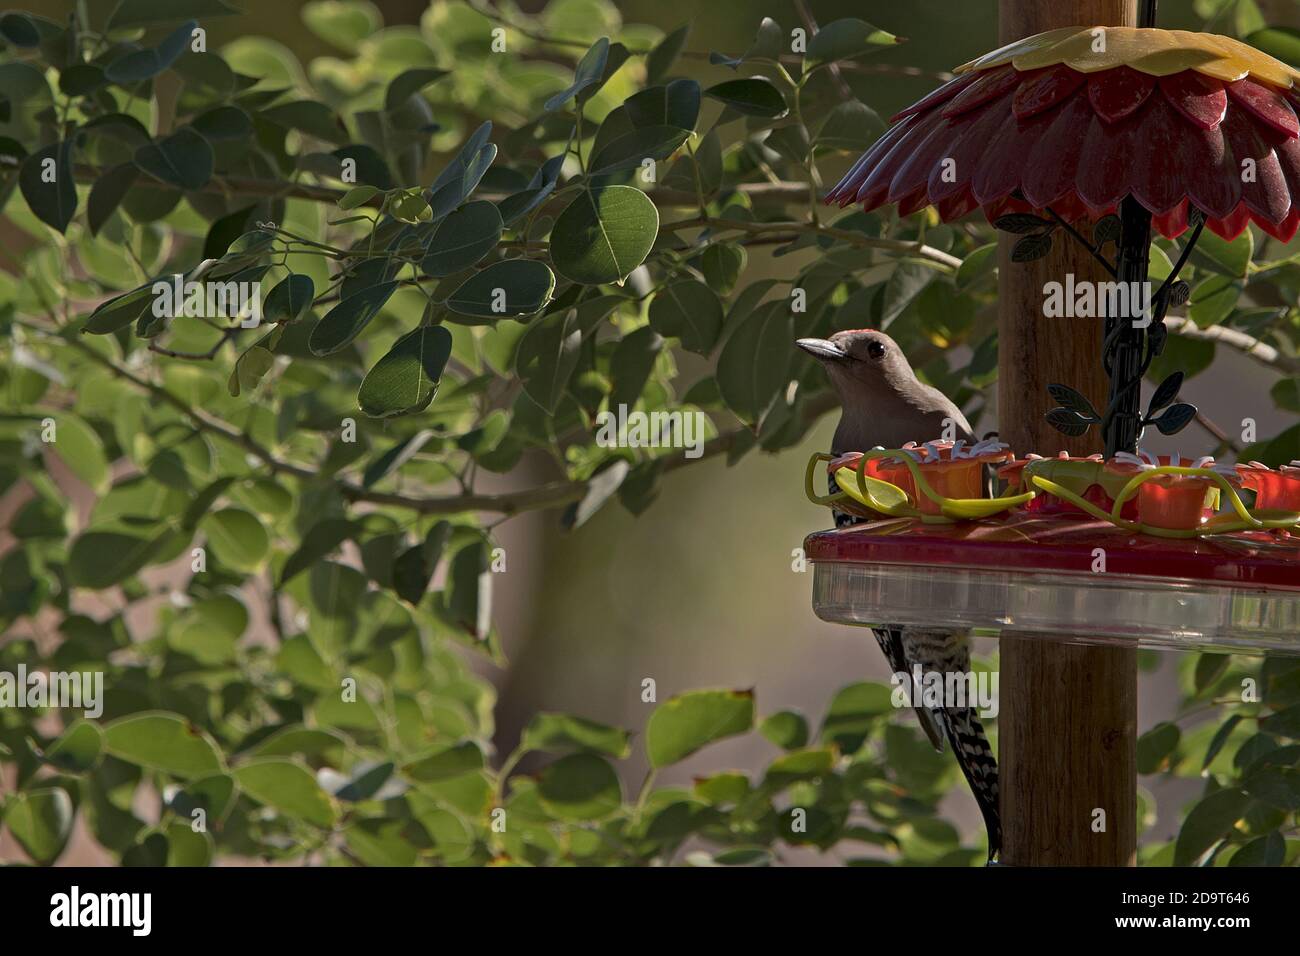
469	601
723	263
409	82
1156	746
413	568
288	788
289	300
1226	258
688	310
406	379
767	46
844	40
630	365
120	312
1280	42
507	289
557	733
853	712
547	356
41	821
600	488
463	174
107	194
753	367
345	321
310	117
47	183
80	448
223	122
78	749
632	149
239	537
100	559
162	741
184	159
249	369
322	538
137	13
754	96
682	725
358	196
660	60
786	728
852	126
141	65
1213	300
446	763
1208	822
1268	850
581	786
604	234
588	73
462	239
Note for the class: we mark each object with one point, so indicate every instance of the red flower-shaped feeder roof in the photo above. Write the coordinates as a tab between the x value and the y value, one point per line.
1080	118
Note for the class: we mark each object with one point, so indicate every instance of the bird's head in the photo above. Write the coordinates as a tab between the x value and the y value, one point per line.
858	358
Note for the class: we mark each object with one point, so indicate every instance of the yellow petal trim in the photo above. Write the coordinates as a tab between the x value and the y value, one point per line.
1150	51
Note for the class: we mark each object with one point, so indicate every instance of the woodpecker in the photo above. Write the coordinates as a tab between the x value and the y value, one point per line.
884	405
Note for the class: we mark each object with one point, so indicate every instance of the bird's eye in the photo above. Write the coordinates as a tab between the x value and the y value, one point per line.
876	350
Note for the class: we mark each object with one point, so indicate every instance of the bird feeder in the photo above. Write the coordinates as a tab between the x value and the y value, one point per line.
1098	136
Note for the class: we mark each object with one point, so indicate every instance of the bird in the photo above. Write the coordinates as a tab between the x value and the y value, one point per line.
884	405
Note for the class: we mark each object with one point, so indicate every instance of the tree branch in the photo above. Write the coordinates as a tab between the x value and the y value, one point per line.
1261	352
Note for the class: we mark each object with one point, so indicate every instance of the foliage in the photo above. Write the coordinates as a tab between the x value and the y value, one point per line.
468	251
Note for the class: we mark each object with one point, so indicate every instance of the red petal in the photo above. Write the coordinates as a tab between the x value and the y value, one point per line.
991	85
1116	94
938	97
1266	104
1186	161
1053	162
956	206
926	155
875	183
1043	89
972	134
910	204
1172	224
1230	227
1263	184
1005	165
1198	97
1285	230
846	190
1106	159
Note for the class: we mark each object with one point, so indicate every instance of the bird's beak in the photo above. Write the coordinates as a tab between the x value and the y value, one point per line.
823	349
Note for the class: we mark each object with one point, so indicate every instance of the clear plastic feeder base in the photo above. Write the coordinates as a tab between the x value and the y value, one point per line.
1071	580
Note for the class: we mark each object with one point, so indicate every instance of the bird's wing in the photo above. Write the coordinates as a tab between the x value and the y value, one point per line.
891	642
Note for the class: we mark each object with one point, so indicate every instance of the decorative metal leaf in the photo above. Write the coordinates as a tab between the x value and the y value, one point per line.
1179	293
1032	247
1074	401
1165	393
1106	230
1020	223
1158	335
1067	422
1175	419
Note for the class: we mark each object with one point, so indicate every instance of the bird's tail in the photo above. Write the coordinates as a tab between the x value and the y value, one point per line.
975	757
949	653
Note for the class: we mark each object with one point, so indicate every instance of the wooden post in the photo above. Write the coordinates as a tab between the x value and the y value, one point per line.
1067	729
